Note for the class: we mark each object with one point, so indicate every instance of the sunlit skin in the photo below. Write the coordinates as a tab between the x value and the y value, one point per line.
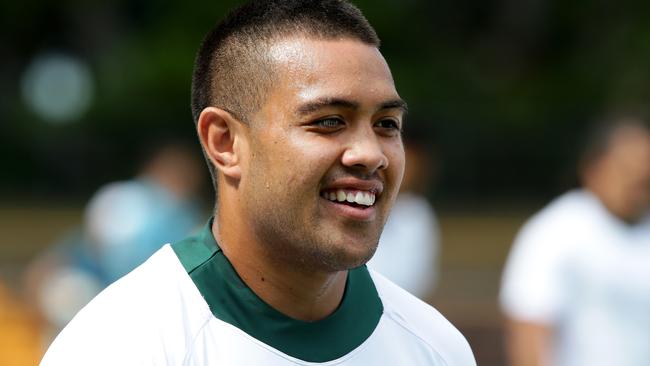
332	120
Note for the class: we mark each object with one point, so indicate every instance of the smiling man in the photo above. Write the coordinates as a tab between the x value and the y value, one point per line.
299	120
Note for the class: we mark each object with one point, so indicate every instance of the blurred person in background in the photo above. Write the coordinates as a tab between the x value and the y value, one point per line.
124	223
408	247
576	287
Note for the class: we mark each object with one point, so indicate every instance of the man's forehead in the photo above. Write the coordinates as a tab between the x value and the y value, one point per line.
635	135
303	52
288	51
313	74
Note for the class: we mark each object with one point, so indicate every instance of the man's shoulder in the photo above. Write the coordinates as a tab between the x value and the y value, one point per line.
423	322
571	208
563	222
160	278
150	312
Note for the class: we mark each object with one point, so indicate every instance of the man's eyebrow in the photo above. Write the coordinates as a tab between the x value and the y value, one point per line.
397	103
325	102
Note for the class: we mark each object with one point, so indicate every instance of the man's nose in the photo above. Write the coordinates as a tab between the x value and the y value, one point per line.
364	151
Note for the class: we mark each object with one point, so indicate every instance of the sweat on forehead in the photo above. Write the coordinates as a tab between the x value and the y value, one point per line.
232	68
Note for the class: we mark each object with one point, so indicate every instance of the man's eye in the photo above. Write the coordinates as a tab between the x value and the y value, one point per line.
329	123
390	124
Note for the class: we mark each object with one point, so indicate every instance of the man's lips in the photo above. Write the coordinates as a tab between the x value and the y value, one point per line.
351	210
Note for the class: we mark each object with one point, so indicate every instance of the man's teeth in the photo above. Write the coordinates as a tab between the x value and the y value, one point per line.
360	197
338	195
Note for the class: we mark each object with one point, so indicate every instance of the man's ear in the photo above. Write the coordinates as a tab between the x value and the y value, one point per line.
221	136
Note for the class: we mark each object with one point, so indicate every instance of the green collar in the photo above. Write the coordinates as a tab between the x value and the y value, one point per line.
232	301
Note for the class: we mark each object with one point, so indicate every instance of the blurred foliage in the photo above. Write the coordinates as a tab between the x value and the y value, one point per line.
502	89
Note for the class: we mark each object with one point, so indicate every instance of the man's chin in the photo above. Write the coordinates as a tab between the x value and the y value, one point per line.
346	256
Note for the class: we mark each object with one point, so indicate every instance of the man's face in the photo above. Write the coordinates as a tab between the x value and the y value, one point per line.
625	171
328	132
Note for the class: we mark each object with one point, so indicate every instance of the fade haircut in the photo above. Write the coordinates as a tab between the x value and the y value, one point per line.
232	70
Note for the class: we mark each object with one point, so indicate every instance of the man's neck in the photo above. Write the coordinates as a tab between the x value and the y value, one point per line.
613	206
296	292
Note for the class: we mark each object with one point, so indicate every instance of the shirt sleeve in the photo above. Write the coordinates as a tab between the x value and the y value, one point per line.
532	287
147	318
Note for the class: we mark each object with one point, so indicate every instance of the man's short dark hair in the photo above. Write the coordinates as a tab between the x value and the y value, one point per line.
232	70
597	140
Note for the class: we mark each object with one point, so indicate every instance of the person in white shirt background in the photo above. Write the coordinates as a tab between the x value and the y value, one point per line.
576	286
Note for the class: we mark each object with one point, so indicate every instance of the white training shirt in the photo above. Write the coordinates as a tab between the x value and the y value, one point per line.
187	306
577	268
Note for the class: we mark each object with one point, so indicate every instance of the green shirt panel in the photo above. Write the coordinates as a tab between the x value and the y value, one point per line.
232	301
